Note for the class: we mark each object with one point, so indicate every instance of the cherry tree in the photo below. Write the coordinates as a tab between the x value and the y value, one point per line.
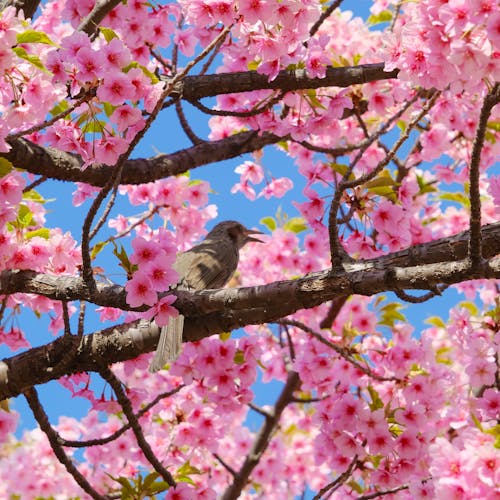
385	138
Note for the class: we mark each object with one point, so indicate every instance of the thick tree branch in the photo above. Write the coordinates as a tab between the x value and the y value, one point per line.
27	6
64	166
193	88
444	251
211	312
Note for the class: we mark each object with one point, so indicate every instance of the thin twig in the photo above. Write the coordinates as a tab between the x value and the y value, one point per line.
121	430
335	246
185	124
101	9
339	481
35	183
225	465
325	15
126	405
267	104
423	298
341	351
47	123
475	241
43	421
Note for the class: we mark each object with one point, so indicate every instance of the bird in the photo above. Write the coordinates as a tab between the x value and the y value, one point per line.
210	264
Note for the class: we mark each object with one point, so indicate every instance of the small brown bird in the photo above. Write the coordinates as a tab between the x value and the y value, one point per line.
207	265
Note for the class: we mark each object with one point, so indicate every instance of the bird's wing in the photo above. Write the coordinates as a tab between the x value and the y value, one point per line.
202	268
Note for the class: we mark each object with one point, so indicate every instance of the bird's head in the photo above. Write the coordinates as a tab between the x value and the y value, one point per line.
237	232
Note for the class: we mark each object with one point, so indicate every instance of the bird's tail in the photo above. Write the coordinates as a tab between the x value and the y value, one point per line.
169	345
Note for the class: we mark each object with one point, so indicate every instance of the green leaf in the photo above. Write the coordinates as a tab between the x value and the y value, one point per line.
376	402
59	108
239	357
108	34
494	126
5	167
108	108
470	306
154	79
313	100
186	469
224	336
94	127
43	232
269	222
385	191
35	197
383	17
34	60
401	125
32	36
24	218
253	65
389	314
436	321
122	256
456	197
341	169
355	486
97	248
295	225
382	180
150	479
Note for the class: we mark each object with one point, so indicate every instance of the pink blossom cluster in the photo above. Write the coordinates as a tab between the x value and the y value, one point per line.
438	44
401	408
25	243
252	173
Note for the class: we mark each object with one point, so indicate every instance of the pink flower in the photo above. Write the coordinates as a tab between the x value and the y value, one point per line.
89	64
124	116
164	310
140	291
250	172
244	188
145	251
489	403
256	10
493	29
109	149
116	54
277	188
8	424
115	89
387	217
83	192
161	275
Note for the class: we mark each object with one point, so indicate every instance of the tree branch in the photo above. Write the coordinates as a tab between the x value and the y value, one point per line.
101	9
263	439
126	405
64	166
211	312
27	6
43	421
475	245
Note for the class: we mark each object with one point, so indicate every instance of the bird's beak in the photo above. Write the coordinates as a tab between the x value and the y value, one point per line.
248	238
